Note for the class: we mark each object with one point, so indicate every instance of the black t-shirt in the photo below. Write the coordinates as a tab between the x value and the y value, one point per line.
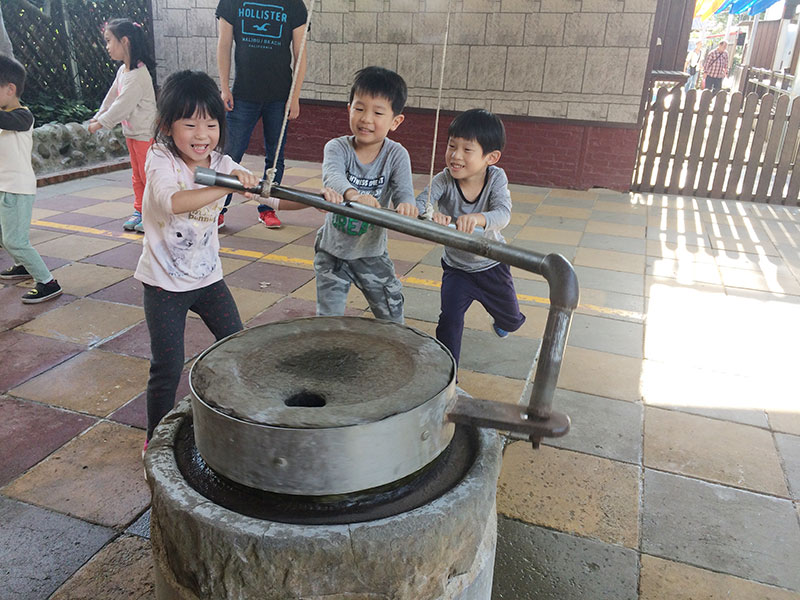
263	36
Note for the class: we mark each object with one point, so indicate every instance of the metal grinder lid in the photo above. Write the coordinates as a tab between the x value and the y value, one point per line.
322	372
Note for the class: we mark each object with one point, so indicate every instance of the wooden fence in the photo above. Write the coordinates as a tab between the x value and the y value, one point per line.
720	146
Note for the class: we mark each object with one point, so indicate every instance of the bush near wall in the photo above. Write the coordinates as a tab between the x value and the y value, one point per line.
61	44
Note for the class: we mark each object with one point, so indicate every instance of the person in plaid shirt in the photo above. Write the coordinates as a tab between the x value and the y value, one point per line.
715	66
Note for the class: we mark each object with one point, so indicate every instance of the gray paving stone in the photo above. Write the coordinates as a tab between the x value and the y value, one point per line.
40	549
616	243
557	223
567	252
611	281
422	305
141	526
720	528
600	426
607	335
532	287
511	231
434	257
526	207
484	352
789	449
618	217
555	199
631	307
533	563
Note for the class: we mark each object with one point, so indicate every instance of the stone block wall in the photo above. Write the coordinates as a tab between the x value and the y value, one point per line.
565	59
566	75
58	147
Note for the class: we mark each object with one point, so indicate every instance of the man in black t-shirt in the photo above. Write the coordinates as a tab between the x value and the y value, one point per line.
268	38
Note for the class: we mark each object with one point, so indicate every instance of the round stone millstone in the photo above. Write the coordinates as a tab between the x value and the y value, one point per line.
323	405
443	550
322	372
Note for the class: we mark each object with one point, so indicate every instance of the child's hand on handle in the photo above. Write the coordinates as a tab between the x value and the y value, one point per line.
367	200
331	195
441	219
407	209
468	223
94	126
247	179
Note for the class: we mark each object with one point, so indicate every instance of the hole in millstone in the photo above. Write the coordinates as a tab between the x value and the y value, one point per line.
306	399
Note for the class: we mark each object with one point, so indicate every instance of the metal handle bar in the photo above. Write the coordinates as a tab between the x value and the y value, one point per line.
539	420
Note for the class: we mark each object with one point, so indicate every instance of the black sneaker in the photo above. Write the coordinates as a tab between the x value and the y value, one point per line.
15	272
42	292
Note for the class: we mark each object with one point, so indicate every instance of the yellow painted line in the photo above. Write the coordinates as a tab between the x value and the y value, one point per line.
289	259
424	282
431	283
91	230
245	253
539	300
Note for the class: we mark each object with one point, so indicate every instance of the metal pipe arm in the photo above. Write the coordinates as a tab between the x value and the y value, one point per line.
556	270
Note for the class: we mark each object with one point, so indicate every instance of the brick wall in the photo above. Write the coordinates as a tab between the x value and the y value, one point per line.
548	154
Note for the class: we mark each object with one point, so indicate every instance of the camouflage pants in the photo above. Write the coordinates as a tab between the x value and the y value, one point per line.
373	275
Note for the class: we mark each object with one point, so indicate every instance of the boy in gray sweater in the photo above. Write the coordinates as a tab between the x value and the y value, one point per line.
369	168
472	192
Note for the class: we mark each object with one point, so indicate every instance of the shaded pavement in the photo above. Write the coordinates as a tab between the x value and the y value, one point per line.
681	475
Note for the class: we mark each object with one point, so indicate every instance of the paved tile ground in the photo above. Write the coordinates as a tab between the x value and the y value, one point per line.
680	478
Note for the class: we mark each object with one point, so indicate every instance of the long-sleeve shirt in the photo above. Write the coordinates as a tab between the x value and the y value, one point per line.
16	143
494	202
387	178
180	252
716	64
131	101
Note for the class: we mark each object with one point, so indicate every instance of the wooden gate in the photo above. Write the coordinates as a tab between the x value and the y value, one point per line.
720	146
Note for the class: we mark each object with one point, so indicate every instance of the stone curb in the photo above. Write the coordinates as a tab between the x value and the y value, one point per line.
87	171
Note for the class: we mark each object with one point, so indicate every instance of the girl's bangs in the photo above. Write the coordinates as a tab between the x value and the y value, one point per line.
192	106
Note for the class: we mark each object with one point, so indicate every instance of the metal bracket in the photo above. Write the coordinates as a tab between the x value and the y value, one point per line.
507	417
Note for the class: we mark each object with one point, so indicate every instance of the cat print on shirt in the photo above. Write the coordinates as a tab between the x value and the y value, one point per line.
187	248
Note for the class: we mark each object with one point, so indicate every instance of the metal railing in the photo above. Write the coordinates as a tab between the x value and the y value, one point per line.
764	81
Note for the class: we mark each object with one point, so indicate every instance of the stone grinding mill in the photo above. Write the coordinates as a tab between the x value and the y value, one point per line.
334	457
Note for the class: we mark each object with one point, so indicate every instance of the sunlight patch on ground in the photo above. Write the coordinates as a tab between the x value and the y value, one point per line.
710	349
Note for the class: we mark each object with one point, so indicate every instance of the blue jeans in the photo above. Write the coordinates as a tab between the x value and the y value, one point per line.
692	81
242	120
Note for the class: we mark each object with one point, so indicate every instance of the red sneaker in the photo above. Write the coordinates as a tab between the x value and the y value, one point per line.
269	219
221	221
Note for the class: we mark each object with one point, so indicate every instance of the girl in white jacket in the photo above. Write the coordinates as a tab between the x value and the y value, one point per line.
130	101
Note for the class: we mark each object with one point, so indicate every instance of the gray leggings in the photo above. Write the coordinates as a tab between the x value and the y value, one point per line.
165	313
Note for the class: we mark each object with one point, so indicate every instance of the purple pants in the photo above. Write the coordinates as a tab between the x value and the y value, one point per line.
493	288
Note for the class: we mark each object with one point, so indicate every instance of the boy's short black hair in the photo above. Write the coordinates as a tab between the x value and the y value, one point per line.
377	81
12	71
480	125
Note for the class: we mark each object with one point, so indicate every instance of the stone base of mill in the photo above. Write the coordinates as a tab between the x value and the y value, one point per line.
443	550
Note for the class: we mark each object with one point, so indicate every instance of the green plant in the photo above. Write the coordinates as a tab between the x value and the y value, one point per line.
47	108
